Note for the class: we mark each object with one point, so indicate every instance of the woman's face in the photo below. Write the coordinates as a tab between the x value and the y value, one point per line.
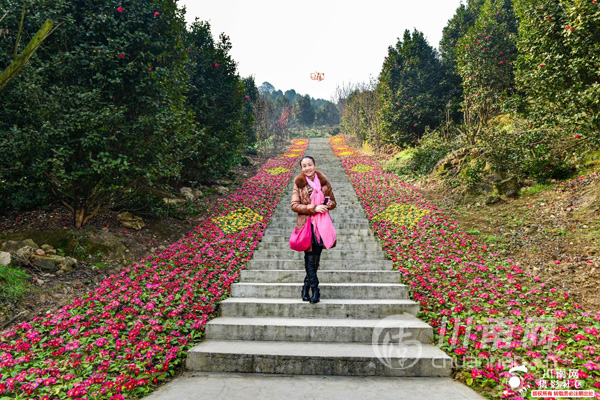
308	167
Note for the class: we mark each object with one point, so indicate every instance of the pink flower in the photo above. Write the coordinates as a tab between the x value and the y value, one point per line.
121	55
216	64
120	9
577	136
156	13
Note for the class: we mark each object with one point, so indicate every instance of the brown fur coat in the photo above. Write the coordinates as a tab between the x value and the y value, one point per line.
301	199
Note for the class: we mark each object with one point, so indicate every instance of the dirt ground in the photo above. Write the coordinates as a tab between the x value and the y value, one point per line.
46	292
554	233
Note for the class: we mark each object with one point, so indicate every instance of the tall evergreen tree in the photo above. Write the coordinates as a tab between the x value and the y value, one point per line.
413	89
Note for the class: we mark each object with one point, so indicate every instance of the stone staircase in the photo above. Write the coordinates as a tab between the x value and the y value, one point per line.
364	325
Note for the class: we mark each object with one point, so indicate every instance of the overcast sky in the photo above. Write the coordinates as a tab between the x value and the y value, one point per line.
283	42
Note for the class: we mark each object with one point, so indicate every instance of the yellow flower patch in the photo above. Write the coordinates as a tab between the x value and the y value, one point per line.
277	170
237	220
361	168
290	155
402	214
299	143
337	140
346	153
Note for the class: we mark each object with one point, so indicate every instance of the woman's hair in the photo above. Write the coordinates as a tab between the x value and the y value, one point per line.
303	158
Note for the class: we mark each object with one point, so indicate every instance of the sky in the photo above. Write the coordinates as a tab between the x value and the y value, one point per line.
283	42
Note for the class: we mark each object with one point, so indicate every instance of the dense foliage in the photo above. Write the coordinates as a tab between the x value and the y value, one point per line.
558	68
119	97
485	58
513	93
412	89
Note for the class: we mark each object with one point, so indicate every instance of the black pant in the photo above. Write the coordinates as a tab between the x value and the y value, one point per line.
312	259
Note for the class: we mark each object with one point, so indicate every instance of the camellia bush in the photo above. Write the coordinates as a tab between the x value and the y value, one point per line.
134	330
100	108
558	68
487	313
485	58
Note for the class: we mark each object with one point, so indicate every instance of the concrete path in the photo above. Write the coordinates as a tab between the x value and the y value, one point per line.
228	386
268	343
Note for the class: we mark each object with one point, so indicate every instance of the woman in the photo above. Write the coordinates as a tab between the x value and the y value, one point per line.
313	196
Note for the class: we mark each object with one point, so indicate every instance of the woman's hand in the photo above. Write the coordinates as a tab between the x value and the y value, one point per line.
321	208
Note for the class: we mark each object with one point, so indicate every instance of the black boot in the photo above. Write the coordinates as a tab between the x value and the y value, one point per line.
305	289
309	262
316	295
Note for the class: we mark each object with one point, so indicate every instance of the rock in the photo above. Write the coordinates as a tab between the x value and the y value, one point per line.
492	200
53	263
25	253
39	282
187	193
130	221
173	202
4	258
48	249
161	247
494	178
12	246
512	194
47	264
39	252
479	188
69	262
198	193
221	190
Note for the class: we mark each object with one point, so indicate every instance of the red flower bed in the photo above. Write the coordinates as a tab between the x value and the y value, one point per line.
134	330
486	312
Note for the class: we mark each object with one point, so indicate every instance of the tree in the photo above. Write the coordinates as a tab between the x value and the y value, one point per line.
559	62
457	27
304	112
327	114
486	55
217	97
266	88
20	59
112	115
362	118
413	90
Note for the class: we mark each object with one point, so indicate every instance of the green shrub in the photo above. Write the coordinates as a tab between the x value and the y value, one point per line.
13	284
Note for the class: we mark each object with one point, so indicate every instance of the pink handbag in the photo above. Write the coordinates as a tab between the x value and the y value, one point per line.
301	238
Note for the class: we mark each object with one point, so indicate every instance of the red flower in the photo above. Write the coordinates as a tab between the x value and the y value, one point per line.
156	13
541	65
120	9
121	55
216	64
577	136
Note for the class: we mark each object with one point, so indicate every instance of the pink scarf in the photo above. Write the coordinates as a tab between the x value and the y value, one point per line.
321	221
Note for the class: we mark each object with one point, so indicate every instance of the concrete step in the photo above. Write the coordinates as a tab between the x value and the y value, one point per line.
340	232
337	225
377	265
327	254
327	308
309	358
319	329
281	290
325	276
342	241
285	245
